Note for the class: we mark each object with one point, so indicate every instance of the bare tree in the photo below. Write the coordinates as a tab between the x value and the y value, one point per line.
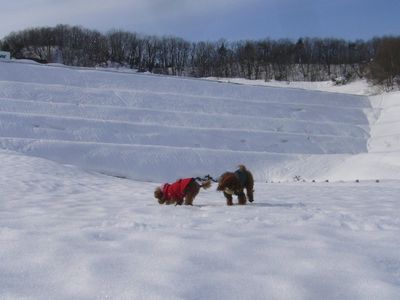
304	59
385	67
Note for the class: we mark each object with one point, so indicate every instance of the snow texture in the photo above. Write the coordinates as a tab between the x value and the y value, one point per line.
69	232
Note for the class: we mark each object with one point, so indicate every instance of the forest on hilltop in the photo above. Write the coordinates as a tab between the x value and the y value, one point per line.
306	59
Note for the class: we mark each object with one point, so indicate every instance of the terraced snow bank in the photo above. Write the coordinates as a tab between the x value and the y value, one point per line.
157	128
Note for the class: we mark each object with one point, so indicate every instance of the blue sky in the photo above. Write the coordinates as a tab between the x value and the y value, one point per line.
197	20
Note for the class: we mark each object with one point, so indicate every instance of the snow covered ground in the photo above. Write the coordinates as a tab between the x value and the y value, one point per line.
70	232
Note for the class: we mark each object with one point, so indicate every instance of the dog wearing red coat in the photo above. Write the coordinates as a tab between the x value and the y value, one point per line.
234	183
181	191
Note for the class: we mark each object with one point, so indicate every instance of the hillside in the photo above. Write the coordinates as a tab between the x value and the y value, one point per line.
156	128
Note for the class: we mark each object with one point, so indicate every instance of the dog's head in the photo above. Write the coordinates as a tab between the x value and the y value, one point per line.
158	194
229	183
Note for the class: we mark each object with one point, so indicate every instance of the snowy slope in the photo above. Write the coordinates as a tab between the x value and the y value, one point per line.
383	157
156	128
359	87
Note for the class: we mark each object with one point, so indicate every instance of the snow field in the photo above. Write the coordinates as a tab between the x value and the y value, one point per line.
69	234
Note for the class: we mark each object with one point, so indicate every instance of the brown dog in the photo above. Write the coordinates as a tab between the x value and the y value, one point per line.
185	189
234	183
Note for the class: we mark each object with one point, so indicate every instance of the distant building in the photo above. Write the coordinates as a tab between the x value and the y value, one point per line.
5	55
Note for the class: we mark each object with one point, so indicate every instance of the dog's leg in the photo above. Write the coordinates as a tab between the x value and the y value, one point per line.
191	192
189	199
242	198
250	186
171	201
229	199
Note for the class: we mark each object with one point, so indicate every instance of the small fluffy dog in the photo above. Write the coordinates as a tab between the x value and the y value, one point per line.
234	183
185	189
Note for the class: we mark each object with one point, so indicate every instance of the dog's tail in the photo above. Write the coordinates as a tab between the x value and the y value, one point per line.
242	167
206	184
207	177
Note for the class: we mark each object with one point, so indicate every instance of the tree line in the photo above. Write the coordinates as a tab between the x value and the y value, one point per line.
310	59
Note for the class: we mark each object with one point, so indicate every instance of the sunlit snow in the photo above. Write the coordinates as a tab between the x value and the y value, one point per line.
82	150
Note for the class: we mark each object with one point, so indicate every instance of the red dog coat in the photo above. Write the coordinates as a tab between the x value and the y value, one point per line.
176	190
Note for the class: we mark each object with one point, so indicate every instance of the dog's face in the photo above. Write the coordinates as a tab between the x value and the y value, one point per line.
158	194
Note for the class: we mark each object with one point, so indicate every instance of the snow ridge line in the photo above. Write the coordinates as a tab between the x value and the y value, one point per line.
282	102
305	121
94	120
31	141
